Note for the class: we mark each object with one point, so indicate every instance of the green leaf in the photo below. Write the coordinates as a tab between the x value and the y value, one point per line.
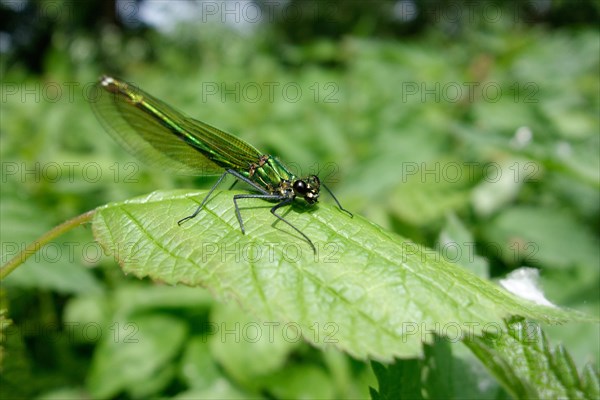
301	382
85	314
64	393
522	360
456	244
17	378
54	266
430	190
366	291
198	368
351	378
117	365
401	380
246	348
439	375
544	236
222	389
5	324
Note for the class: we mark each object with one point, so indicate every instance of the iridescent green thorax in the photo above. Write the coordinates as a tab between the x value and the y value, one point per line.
269	172
276	178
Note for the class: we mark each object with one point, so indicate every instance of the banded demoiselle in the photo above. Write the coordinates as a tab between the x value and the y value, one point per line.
157	133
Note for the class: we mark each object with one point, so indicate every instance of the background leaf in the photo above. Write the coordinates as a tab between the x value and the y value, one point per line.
523	361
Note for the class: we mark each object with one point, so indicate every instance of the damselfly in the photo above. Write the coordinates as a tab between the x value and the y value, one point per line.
155	132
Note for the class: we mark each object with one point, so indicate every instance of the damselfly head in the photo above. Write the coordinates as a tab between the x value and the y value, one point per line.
308	188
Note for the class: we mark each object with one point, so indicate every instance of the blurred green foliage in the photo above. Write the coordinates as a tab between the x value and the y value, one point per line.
486	133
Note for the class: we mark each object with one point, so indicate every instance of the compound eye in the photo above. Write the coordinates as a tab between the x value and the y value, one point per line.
300	187
314	181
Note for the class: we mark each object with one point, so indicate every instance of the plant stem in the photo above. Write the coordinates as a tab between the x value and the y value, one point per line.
52	234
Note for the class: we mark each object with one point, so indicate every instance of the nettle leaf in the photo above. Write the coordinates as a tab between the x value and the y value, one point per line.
156	339
366	291
17	377
438	375
400	380
522	360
